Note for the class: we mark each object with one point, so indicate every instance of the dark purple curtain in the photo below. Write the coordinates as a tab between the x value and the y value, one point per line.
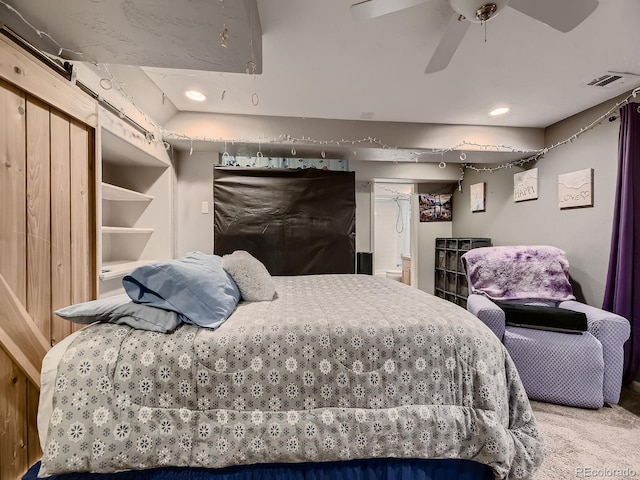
622	292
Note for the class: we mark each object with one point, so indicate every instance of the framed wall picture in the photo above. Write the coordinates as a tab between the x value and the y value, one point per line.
435	207
575	189
525	185
477	196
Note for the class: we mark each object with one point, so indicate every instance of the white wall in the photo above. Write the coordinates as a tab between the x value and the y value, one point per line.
584	233
194	175
195	178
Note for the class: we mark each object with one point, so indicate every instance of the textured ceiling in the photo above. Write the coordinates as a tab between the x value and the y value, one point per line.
158	33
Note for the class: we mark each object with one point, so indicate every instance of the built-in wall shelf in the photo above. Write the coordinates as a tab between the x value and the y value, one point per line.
111	270
135	200
127	230
119	194
125	148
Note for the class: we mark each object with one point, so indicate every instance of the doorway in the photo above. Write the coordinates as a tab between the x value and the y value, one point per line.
392	230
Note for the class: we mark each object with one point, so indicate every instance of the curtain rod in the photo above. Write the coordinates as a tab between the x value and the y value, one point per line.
113	109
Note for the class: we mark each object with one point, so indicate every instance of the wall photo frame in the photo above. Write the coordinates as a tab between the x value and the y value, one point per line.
435	207
525	185
477	197
575	189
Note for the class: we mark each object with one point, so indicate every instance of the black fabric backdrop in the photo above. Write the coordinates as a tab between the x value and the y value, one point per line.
296	222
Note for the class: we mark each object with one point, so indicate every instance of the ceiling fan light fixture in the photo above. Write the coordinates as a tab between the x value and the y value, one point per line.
499	111
195	95
486	11
478	11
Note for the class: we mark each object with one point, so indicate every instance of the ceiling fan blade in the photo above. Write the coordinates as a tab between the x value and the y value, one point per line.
448	44
563	15
377	8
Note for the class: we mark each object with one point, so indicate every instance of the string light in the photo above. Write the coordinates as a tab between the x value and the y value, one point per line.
533	155
39	32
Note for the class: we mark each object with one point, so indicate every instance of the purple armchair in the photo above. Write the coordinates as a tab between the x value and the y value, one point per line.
582	369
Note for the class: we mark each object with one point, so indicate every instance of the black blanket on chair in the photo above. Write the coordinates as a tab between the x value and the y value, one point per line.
543	317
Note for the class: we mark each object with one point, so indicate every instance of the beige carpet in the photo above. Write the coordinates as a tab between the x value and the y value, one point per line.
581	443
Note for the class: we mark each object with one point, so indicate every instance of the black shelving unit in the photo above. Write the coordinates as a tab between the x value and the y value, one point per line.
450	281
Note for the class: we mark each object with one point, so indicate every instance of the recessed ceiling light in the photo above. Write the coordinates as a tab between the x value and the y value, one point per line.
195	95
499	111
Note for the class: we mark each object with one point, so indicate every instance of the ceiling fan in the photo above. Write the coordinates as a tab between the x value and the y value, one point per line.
562	15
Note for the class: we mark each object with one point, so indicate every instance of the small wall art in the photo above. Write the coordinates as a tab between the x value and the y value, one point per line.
477	197
435	207
525	185
575	189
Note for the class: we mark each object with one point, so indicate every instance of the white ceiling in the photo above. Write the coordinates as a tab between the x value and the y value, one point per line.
320	63
317	62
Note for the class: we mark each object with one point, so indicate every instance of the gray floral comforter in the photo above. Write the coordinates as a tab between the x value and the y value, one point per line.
338	367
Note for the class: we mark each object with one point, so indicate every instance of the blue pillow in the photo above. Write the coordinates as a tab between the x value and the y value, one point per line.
121	310
195	286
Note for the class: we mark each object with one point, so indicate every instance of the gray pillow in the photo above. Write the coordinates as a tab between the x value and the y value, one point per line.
121	310
251	276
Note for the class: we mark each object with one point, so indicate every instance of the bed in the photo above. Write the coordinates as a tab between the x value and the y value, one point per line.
345	372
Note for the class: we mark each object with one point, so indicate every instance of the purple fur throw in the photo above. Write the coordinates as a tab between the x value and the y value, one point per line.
523	272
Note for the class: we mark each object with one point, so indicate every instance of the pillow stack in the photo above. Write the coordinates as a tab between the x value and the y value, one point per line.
198	288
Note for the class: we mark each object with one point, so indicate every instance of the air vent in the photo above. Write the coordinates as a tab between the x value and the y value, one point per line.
611	78
604	80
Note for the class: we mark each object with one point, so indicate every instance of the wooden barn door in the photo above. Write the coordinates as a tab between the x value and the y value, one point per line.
47	239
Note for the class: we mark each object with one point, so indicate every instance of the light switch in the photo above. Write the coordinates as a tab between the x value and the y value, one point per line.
205	207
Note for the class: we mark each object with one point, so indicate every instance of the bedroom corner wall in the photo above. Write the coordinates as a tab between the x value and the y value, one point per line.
584	233
194	177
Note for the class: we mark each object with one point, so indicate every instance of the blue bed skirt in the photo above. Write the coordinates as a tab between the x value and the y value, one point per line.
373	469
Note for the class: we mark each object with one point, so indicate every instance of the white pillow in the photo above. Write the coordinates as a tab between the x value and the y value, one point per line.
251	276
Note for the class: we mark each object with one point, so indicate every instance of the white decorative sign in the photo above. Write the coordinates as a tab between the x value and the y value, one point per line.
575	189
525	185
476	194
